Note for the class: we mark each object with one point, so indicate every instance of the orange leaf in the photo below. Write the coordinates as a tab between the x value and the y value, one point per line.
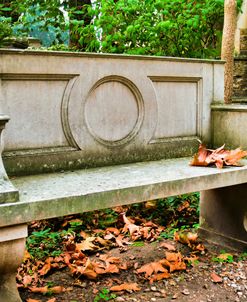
150	268
46	268
41	290
216	278
27	279
115	231
160	276
186	237
219	157
168	246
32	300
57	289
200	158
177	266
173	257
125	286
52	300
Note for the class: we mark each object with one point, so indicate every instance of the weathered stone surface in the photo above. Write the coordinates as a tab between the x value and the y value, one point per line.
58	194
223	215
229	124
12	247
82	110
240	77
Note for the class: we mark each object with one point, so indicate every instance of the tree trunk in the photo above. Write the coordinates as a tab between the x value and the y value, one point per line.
227	50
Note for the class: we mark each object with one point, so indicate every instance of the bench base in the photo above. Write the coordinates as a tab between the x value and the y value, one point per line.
12	247
223	216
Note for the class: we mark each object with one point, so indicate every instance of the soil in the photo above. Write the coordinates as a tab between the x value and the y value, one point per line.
193	284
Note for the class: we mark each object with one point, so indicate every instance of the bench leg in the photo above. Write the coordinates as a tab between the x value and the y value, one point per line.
223	216
12	247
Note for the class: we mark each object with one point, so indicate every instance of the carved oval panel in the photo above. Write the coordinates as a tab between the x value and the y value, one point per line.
114	111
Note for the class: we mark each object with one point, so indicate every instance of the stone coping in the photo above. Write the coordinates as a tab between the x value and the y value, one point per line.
106	55
58	194
229	107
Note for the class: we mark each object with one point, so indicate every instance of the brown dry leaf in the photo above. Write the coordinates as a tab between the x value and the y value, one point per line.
46	268
151	204
125	286
45	289
219	157
183	206
168	246
27	280
89	270
151	268
86	245
41	290
161	276
57	289
215	278
225	256
200	157
130	226
176	261
173	257
234	156
115	231
177	266
52	300
186	237
33	300
27	256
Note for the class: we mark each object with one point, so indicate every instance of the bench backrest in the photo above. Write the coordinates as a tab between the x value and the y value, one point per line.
73	110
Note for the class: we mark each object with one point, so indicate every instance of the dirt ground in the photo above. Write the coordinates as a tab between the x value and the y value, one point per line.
196	283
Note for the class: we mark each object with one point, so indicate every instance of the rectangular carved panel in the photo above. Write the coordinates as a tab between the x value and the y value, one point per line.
34	106
178	108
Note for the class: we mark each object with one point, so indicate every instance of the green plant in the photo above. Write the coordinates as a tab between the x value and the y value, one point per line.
5	29
44	243
223	258
138	243
170	28
242	256
104	295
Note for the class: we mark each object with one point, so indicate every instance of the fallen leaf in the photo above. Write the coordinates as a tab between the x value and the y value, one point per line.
52	300
125	286
46	268
160	276
215	278
41	290
151	204
27	280
33	300
151	268
183	206
56	289
168	246
219	157
186	237
86	245
173	257
225	256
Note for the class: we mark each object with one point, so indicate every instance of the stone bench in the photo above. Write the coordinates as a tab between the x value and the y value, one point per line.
91	131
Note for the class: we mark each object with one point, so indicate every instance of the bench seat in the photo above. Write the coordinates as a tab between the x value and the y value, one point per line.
63	193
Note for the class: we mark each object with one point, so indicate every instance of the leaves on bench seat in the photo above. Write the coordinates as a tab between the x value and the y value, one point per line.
219	157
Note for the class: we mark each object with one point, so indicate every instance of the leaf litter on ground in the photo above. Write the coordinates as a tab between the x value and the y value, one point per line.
79	250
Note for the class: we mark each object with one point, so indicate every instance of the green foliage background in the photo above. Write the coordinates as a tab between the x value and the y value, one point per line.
183	28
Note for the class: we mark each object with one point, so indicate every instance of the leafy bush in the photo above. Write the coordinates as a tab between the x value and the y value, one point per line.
162	27
5	29
184	28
